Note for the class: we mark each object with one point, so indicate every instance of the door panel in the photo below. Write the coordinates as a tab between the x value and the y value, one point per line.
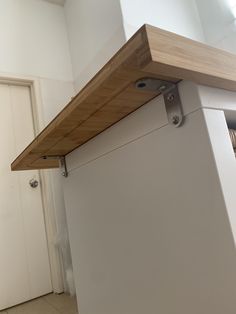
24	262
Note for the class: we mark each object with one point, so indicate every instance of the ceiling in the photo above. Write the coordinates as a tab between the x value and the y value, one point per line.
59	2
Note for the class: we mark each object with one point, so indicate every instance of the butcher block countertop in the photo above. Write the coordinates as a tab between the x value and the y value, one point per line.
112	94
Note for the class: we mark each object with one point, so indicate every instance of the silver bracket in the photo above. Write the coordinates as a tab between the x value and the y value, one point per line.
62	162
171	96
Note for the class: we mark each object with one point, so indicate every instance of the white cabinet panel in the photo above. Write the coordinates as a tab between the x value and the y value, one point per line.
149	226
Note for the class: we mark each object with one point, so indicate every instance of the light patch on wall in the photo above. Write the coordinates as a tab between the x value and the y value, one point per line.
232	4
58	2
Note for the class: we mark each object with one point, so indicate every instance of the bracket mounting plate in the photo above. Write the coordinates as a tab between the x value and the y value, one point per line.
62	162
171	96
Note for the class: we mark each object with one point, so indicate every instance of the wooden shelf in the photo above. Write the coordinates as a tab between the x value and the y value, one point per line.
111	94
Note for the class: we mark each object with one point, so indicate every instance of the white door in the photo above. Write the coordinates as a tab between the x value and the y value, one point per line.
24	261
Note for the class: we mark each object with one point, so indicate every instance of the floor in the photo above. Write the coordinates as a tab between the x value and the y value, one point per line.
49	304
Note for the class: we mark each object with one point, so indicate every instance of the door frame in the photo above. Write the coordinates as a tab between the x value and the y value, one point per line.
45	178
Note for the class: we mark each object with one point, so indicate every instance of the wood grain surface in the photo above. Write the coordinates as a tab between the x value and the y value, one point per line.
111	94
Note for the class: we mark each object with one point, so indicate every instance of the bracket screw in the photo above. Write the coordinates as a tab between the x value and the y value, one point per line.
141	84
175	120
171	97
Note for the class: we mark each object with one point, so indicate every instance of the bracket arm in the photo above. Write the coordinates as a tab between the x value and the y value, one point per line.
170	92
62	162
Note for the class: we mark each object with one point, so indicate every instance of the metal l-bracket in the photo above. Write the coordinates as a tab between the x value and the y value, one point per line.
62	162
170	92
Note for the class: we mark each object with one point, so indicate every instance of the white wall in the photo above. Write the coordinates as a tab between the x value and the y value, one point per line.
33	39
178	16
55	95
95	32
34	42
97	29
218	23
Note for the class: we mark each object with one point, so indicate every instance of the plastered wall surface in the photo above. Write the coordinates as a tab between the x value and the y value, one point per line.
218	23
34	42
96	32
33	39
178	16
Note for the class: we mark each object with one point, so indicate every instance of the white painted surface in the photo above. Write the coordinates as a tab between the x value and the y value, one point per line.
24	263
177	16
216	98
34	43
56	94
34	40
218	23
95	30
224	159
141	185
212	98
58	2
216	18
149	225
98	29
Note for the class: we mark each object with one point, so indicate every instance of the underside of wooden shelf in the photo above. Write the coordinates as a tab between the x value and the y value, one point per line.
111	94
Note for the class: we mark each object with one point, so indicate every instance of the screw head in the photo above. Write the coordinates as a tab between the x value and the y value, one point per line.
141	85
171	97
175	120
